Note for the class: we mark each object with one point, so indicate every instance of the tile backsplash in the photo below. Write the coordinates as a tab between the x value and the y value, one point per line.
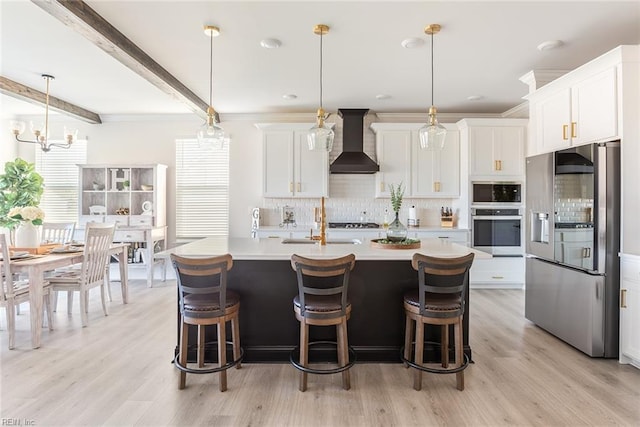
351	195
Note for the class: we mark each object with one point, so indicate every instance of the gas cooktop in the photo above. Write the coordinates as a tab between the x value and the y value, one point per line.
354	224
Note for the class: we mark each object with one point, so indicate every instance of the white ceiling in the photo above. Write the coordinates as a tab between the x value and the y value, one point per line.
483	49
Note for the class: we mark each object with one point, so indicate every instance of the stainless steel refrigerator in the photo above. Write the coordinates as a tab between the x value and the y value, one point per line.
572	244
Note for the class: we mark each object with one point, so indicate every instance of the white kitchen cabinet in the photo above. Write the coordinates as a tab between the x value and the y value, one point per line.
630	310
424	173
497	272
290	169
134	198
496	147
586	112
460	236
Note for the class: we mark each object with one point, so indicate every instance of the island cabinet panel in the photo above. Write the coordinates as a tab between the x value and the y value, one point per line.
269	330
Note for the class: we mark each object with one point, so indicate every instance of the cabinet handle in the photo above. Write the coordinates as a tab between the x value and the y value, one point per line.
436	186
381	187
565	128
497	277
495	165
299	187
291	187
574	127
499	165
623	298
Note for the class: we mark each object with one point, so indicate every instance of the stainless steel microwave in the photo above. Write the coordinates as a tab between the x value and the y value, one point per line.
496	192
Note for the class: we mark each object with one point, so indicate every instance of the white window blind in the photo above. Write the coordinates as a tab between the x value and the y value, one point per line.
202	190
60	173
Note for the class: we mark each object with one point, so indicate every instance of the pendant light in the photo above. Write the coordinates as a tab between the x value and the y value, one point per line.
41	132
320	137
210	135
432	135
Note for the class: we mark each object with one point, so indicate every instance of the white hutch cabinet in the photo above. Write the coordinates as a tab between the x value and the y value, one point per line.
134	198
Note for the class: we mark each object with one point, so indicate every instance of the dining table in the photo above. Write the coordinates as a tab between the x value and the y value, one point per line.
35	267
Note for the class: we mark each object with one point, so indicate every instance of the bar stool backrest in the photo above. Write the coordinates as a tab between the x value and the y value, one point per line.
323	277
202	280
442	277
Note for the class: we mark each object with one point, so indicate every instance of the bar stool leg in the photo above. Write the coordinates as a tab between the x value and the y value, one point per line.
457	331
222	353
444	346
235	336
304	355
184	332
417	375
343	353
408	338
201	337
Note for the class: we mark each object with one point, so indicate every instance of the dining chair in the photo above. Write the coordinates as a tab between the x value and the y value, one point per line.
58	232
15	292
92	271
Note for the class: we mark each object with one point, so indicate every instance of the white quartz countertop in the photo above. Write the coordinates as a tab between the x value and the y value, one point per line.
274	249
306	228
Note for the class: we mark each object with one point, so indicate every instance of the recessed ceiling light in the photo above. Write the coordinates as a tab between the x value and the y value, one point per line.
383	96
549	44
270	43
474	97
290	96
412	43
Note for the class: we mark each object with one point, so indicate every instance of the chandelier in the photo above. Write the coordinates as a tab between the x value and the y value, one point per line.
320	137
432	135
210	135
41	132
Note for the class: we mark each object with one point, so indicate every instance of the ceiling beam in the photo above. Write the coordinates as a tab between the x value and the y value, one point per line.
86	21
33	96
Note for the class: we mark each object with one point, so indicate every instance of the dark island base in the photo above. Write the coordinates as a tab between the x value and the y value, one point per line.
269	329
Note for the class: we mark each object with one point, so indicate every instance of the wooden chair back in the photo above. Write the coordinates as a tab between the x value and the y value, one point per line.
442	277
58	232
323	277
6	277
98	239
205	279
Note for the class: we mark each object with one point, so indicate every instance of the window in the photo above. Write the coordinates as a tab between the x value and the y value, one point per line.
58	168
202	190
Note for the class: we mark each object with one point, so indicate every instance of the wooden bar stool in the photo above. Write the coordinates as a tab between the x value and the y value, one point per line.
322	301
439	300
204	300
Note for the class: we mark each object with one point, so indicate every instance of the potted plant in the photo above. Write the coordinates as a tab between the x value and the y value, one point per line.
20	186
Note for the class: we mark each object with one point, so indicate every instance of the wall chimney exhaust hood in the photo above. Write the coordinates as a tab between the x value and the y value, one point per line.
353	160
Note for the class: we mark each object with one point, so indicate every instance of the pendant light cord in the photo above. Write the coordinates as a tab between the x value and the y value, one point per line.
211	71
321	69
432	69
46	113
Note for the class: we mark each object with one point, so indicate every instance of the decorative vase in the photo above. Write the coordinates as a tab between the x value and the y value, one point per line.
27	235
397	231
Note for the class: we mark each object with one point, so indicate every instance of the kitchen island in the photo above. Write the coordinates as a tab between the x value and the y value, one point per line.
263	277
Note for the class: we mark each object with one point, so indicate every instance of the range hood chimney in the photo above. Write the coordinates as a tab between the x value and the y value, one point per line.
353	160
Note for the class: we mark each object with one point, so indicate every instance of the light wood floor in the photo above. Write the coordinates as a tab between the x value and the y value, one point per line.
117	372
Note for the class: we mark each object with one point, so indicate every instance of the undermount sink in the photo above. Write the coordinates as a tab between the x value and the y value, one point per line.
329	242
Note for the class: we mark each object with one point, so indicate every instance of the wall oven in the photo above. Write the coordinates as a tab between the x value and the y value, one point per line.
497	231
496	192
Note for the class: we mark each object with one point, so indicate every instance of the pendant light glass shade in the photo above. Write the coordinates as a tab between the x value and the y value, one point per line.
210	135
433	134
320	137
